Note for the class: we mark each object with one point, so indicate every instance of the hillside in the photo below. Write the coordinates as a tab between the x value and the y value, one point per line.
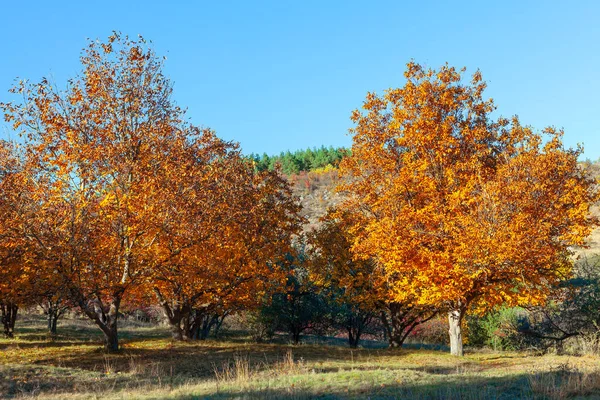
316	190
594	239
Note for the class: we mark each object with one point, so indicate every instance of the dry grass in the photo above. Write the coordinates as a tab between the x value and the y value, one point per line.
565	382
150	366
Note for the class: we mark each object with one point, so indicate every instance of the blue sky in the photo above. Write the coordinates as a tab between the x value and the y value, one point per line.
284	75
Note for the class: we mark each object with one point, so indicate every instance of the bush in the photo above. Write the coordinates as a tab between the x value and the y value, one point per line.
434	331
499	330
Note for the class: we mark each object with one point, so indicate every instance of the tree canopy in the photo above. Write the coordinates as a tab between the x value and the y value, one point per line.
463	209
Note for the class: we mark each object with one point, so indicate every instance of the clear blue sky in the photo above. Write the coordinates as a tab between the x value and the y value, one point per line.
286	75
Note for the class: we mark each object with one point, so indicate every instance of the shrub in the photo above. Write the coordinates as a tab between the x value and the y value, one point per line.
499	330
434	331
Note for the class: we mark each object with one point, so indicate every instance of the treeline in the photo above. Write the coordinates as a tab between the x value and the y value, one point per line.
301	160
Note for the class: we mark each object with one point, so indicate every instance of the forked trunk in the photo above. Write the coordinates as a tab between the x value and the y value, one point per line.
354	337
402	321
106	320
53	314
175	314
455	318
111	336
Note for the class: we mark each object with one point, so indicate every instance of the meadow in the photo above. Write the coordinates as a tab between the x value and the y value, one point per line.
74	365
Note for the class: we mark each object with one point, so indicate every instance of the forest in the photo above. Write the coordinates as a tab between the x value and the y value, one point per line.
451	250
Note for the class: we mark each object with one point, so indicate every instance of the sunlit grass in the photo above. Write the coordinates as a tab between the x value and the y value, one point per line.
73	366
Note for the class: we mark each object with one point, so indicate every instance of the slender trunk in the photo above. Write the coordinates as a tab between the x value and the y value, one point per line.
195	322
207	323
49	313
9	316
455	318
53	314
185	326
296	334
219	324
355	324
353	337
54	324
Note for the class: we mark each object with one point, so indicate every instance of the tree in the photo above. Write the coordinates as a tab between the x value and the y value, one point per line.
97	154
356	283
296	306
15	205
464	211
220	253
572	309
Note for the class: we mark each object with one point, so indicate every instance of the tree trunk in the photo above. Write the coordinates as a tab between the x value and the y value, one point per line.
219	323
111	339
207	323
397	326
455	318
9	316
111	336
185	326
296	335
176	332
54	324
174	314
355	324
353	337
106	320
403	319
53	314
49	314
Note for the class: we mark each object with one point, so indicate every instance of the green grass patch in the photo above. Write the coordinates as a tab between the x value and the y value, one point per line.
73	365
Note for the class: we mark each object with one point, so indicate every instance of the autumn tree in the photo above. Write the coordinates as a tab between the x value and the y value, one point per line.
465	211
356	283
15	205
97	153
229	226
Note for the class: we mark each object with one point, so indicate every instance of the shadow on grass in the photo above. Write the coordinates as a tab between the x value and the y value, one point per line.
513	387
200	359
18	382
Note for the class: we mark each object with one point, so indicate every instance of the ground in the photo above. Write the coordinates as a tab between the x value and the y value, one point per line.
73	365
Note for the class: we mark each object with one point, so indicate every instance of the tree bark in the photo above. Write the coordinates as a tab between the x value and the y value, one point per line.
455	318
174	314
106	320
296	335
219	323
53	314
53	329
9	316
111	335
353	337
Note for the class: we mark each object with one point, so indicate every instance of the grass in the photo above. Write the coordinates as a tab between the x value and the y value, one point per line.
151	366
